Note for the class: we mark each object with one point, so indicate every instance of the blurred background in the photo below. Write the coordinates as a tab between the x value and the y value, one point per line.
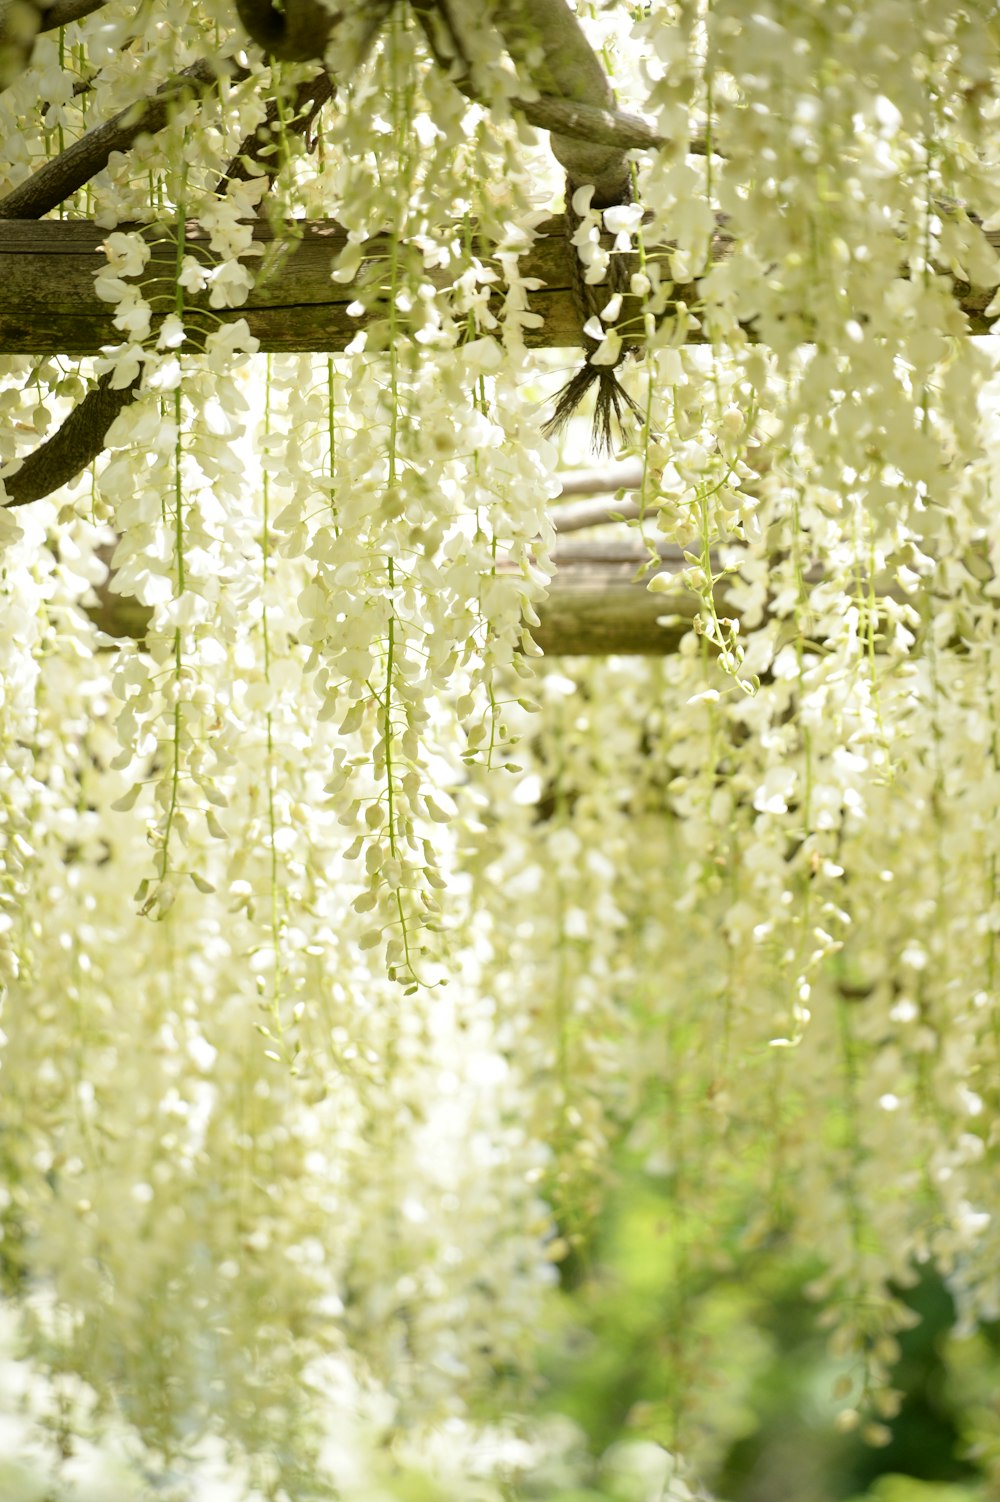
637	1309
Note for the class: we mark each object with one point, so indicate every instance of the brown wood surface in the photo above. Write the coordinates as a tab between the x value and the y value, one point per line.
48	304
597	604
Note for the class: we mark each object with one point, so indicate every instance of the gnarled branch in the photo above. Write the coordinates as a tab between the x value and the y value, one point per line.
546	40
65	12
593	123
66	173
549	47
71	448
601	124
305	31
298	33
309	100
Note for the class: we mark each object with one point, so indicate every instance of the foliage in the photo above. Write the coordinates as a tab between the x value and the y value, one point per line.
295	1139
758	1410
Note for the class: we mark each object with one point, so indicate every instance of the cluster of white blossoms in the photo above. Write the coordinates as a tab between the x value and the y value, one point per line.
342	940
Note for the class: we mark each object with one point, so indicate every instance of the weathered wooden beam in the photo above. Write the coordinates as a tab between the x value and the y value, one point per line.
610	477
48	304
597	604
599	612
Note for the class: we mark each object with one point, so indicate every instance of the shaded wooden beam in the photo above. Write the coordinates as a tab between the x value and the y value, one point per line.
48	304
591	614
597	604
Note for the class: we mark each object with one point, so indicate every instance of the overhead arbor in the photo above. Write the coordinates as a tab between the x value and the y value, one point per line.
405	802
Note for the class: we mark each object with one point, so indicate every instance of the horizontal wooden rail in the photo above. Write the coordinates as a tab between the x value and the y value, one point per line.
597	603
48	304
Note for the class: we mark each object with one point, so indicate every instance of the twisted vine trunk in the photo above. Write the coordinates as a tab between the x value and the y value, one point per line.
546	41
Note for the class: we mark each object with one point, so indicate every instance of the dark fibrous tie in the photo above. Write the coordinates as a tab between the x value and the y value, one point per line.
612	402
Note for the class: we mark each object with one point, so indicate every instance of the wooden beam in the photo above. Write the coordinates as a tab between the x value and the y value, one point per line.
595	612
48	304
604	481
597	604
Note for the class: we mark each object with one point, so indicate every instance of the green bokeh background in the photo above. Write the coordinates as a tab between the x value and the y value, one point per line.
651	1302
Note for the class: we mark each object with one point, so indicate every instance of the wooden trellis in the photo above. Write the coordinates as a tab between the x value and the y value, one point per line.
598	601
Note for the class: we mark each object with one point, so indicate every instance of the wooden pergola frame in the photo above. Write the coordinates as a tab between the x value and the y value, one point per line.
598	602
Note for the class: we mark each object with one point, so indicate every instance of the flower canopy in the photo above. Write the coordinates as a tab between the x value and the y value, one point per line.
345	935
